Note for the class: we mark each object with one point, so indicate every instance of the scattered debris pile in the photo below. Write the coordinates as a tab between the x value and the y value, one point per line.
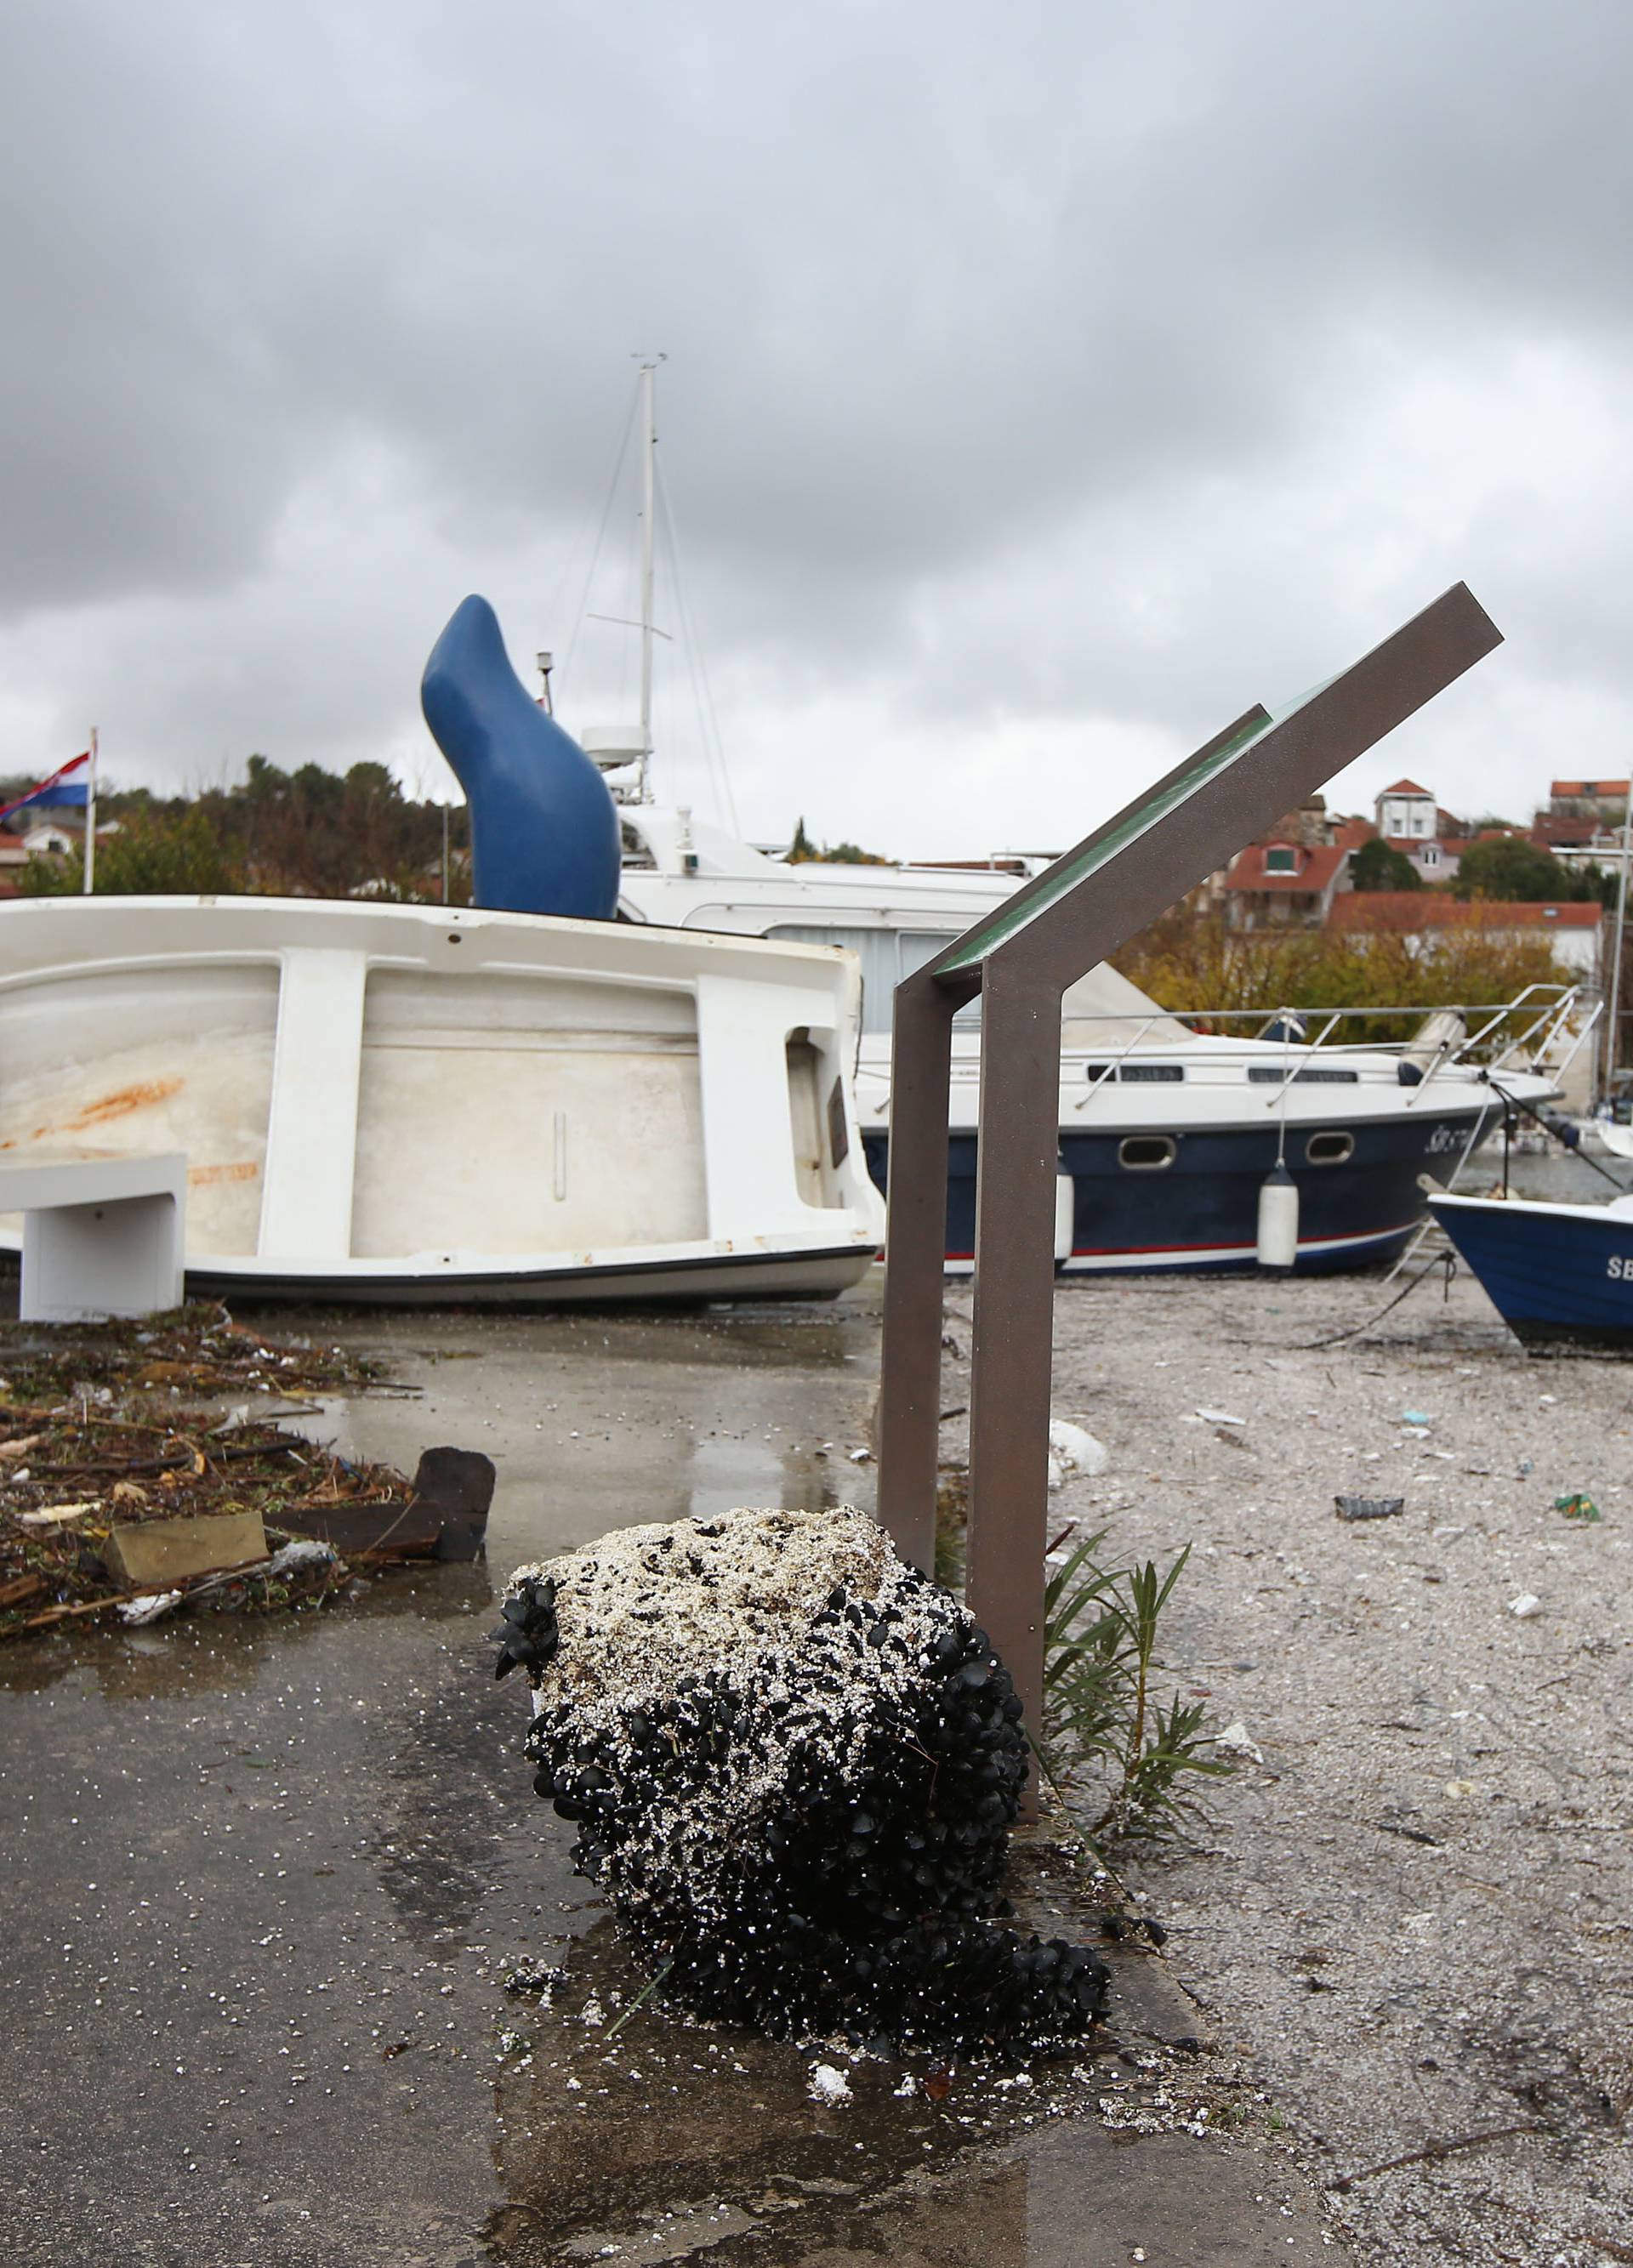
199	1349
794	1763
120	1491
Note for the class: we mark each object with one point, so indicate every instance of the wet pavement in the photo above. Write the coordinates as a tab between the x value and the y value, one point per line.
265	1882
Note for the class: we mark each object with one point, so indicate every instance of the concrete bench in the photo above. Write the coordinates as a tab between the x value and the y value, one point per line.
101	1236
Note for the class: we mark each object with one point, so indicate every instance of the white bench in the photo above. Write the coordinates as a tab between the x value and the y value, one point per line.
101	1236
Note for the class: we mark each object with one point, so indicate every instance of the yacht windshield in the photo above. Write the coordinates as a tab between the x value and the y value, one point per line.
887	955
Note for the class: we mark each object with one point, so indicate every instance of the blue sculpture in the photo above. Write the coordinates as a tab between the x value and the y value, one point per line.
544	828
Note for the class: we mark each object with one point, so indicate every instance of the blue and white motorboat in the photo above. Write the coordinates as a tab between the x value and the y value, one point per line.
1167	1132
1560	1276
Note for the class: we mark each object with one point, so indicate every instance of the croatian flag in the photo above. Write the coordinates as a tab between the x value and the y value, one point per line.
58	789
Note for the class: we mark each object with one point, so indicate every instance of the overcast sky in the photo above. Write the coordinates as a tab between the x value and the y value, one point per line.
1046	383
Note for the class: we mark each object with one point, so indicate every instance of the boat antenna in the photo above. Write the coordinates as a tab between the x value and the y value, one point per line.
648	550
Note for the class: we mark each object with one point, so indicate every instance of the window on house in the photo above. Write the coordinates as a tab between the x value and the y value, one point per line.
1431	856
1280	861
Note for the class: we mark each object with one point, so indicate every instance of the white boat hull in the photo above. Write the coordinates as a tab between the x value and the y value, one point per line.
417	1104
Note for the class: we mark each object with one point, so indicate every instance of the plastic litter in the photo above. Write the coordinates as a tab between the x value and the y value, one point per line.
1074	1453
1415	1418
828	2086
151	1607
1578	1507
1218	1417
1237	1740
57	1514
1525	1606
1369	1507
305	1553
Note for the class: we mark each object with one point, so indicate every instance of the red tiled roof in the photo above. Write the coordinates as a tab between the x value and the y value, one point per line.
1405	787
1404	912
1588	787
1351	834
1551	827
1313	872
10	842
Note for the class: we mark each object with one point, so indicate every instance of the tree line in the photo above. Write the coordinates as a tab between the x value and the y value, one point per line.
307	834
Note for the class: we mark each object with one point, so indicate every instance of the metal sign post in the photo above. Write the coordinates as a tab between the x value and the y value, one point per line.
1020	959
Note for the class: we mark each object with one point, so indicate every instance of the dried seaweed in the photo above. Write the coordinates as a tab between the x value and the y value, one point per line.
111	1423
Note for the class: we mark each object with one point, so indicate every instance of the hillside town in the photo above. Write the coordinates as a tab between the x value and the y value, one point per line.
1415	869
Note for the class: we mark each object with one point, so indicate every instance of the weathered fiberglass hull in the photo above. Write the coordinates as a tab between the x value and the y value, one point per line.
1559	1275
421	1104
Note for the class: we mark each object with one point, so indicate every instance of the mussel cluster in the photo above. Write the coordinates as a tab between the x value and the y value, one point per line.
794	1764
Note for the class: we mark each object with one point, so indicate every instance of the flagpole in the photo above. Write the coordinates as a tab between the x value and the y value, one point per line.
90	858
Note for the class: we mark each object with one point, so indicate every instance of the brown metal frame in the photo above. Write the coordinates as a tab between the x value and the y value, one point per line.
1020	961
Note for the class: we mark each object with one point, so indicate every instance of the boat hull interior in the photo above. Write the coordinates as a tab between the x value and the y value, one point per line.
400	1101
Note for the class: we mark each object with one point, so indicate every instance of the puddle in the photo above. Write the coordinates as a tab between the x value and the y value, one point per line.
601	1422
672	2137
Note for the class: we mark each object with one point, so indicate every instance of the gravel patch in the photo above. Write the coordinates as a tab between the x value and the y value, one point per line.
1414	1919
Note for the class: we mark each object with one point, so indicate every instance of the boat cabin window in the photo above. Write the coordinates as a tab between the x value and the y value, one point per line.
1330	1149
887	955
1146	1154
636	850
1133	1074
1307	1075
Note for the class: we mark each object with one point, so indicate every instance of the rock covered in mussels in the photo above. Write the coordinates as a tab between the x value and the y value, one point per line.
794	1764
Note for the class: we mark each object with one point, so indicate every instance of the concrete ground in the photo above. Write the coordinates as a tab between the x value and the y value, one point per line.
265	1881
1411	1915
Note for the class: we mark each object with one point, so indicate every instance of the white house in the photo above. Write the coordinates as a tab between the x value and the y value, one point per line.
47	839
1407	813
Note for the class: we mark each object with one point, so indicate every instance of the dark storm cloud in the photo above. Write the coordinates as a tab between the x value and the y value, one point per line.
1037	359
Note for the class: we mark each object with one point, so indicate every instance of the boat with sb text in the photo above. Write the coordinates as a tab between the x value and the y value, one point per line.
1561	1276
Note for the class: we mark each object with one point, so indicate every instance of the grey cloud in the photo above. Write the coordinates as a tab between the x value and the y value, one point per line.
1023	363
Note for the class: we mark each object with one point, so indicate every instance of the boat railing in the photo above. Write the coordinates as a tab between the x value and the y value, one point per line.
1535	1027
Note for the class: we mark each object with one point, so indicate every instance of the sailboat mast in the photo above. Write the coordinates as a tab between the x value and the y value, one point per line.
1611	1048
648	553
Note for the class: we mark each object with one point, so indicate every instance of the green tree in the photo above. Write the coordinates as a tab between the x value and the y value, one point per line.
1378	865
370	780
152	856
262	780
1510	867
801	849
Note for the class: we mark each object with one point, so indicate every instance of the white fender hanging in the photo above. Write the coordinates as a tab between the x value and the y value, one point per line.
1278	1219
1065	1214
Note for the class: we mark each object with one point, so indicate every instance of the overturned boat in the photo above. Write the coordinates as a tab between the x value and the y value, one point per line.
406	1103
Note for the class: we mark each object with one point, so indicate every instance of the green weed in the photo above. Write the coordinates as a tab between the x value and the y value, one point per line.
1102	1721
